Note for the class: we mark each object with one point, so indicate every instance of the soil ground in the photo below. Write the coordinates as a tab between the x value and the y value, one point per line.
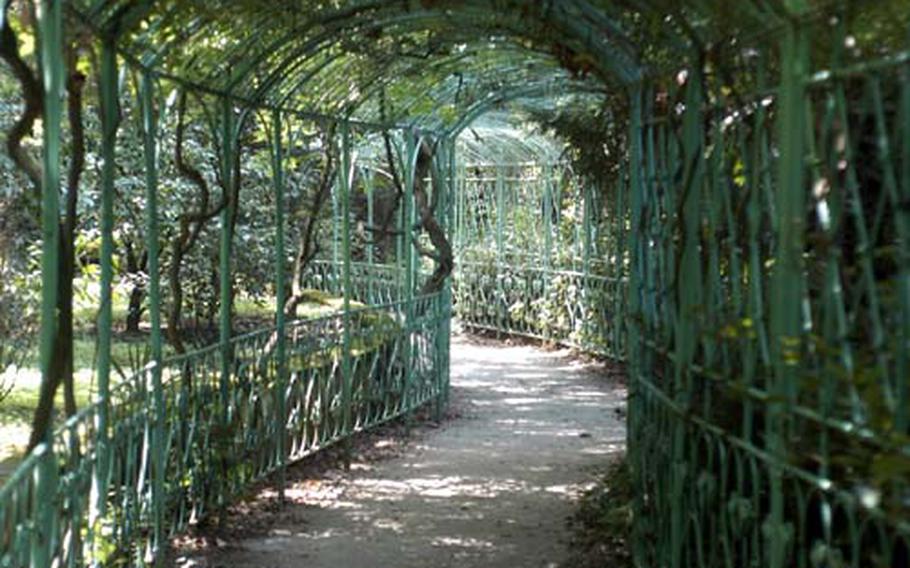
492	486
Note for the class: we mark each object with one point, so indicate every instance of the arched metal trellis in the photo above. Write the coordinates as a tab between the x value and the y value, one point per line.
749	259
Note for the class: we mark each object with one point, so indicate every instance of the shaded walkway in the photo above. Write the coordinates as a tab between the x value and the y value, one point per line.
492	488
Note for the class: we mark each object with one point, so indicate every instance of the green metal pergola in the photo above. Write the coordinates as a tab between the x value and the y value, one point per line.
748	260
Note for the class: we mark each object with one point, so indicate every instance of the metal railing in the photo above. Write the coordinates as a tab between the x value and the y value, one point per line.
562	306
218	434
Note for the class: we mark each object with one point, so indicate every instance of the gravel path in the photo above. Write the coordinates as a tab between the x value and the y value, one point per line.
492	488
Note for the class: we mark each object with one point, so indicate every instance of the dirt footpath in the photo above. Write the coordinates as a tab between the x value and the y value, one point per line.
492	488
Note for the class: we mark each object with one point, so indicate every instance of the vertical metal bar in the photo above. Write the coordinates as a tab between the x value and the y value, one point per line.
150	144
902	229
344	190
902	416
227	214
635	293
578	226
50	23
280	298
412	145
587	227
787	279
501	304
400	239
454	197
109	123
335	236
617	244
461	203
547	175
51	57
587	319
441	184
500	215
689	292
368	187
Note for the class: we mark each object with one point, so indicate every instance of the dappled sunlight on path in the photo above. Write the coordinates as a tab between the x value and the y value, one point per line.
491	488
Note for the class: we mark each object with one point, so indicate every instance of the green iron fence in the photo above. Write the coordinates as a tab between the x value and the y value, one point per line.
768	311
562	306
218	436
538	256
371	283
751	264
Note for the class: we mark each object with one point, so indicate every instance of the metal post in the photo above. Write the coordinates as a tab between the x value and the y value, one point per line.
150	143
344	190
443	200
109	123
587	227
368	187
227	214
547	174
335	237
410	165
634	313
902	416
548	217
787	278
403	234
460	203
280	293
501	304
454	194
689	293
50	22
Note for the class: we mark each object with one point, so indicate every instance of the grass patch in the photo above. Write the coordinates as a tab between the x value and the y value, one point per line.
247	307
127	353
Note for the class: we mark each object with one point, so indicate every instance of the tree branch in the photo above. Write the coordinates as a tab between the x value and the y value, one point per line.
32	98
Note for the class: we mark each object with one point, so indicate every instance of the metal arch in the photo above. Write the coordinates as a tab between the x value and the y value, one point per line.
501	97
385	71
617	59
405	111
578	22
419	19
437	89
260	98
285	69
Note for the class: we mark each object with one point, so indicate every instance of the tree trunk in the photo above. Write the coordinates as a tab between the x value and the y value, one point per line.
61	369
191	225
134	308
443	257
307	245
135	267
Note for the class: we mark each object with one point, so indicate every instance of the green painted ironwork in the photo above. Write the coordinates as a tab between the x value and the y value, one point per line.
280	295
45	482
345	173
749	259
150	143
109	120
511	278
197	440
762	406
